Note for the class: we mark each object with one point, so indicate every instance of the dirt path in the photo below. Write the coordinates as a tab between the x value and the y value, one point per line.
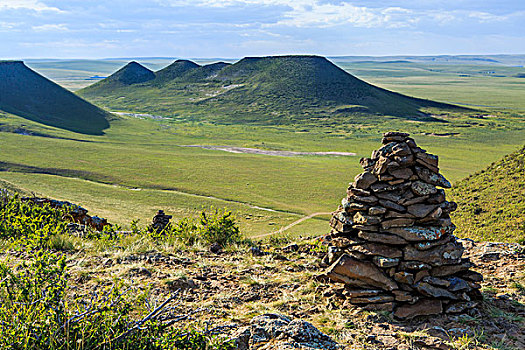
282	229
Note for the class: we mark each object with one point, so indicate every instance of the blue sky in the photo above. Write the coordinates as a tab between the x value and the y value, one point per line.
238	28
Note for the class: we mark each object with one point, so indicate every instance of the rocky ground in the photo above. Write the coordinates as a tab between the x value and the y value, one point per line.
237	285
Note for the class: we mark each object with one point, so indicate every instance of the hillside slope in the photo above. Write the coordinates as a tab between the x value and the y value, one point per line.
491	203
25	93
131	73
277	89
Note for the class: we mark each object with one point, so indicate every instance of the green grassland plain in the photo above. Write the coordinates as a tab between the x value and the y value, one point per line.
138	166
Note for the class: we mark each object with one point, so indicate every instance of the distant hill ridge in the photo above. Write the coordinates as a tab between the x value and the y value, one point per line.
132	73
25	93
262	89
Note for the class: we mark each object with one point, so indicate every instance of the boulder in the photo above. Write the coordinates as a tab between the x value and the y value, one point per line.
272	331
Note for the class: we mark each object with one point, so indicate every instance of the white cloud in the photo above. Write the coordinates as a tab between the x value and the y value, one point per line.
34	5
327	15
322	14
9	25
485	17
51	28
228	3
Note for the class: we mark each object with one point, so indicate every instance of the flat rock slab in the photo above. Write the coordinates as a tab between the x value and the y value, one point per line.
422	233
379	249
382	238
420	308
433	291
372	299
363	271
447	270
421	210
447	254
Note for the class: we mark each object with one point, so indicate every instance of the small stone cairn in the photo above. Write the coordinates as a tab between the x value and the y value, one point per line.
160	222
391	243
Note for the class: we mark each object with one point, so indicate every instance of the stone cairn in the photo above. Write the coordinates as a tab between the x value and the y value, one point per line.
160	222
391	242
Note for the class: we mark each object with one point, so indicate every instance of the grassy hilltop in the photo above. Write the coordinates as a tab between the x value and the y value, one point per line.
492	201
26	93
262	90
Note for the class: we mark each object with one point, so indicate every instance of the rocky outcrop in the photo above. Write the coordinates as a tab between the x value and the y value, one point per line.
392	242
74	212
272	331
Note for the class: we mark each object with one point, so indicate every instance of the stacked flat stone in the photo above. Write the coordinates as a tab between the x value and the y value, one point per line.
391	242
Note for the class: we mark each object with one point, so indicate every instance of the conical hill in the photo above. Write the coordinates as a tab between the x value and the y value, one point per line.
267	90
25	93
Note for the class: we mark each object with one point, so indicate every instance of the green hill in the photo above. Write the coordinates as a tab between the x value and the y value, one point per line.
25	93
491	203
174	71
268	90
131	73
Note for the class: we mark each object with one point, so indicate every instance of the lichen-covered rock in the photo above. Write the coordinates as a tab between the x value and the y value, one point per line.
421	233
447	254
272	331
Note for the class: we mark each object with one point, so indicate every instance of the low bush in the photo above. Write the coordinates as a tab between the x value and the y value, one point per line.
36	313
219	227
30	225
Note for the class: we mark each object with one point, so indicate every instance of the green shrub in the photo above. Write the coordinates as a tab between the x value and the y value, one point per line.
219	227
28	224
36	313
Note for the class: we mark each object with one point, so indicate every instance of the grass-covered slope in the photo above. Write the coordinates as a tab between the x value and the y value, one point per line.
268	90
492	201
25	93
131	73
295	83
174	71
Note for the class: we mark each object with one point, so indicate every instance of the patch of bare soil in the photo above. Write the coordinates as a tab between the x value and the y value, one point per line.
233	149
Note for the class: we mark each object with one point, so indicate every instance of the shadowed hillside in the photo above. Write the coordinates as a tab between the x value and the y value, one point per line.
492	201
268	90
25	93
